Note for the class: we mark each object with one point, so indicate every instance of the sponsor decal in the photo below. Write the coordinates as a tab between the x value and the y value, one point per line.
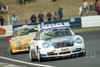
55	28
62	39
42	25
73	23
72	20
2	31
64	49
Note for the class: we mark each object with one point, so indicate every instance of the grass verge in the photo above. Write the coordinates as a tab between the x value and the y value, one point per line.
86	29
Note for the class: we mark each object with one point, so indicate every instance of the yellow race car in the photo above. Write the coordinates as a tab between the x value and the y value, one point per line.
21	37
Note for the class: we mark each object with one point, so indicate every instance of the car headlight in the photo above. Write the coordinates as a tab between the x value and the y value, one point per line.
16	41
46	45
78	40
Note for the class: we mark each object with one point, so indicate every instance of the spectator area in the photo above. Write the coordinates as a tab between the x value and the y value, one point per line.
24	11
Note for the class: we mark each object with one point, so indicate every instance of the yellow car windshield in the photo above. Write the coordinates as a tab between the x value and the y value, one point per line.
26	31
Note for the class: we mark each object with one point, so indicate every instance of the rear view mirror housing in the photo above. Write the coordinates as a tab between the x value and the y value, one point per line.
76	33
9	36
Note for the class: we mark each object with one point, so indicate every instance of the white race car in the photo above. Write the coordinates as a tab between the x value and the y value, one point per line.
55	42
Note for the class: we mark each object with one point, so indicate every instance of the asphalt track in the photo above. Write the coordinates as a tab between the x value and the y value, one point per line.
92	43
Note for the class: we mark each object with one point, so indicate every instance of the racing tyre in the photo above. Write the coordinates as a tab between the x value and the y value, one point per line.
11	51
83	54
30	54
39	55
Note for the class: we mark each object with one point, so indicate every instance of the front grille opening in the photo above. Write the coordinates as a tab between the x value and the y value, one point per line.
77	50
51	53
65	52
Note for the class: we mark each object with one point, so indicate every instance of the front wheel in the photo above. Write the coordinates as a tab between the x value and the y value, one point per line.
30	54
83	54
11	51
39	55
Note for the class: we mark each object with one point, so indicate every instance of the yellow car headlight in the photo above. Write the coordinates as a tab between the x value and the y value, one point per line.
16	41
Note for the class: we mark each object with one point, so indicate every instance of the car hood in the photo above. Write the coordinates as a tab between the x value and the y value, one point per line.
25	39
60	42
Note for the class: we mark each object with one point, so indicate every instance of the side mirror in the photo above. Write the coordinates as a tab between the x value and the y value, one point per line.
9	36
76	34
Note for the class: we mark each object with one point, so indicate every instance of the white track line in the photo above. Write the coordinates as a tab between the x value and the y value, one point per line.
19	61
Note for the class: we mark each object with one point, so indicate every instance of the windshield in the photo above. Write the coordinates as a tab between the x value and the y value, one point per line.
26	31
56	33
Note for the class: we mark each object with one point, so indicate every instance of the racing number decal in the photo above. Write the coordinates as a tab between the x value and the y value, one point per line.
65	49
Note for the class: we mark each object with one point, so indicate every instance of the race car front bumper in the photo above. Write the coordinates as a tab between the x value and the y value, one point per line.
17	51
61	54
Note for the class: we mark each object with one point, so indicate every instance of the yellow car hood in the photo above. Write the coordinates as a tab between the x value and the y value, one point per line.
25	38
